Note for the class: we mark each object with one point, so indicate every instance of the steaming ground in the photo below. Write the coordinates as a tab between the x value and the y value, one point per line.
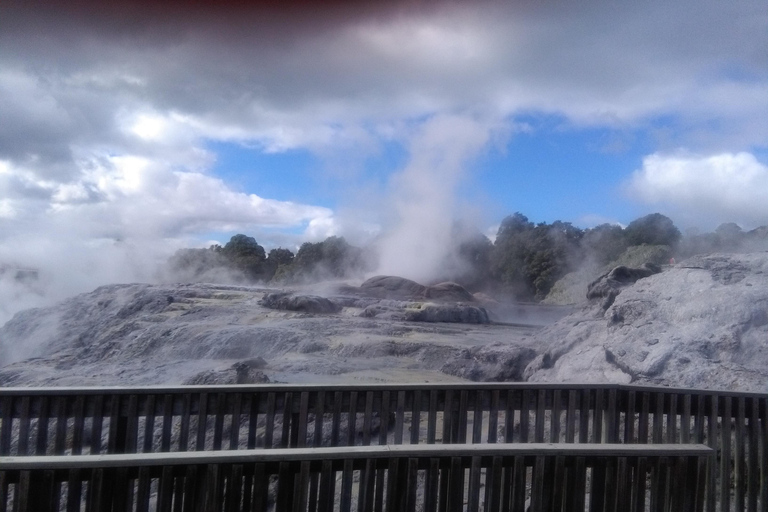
149	334
700	323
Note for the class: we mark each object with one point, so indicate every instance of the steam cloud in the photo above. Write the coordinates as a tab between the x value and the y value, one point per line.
423	197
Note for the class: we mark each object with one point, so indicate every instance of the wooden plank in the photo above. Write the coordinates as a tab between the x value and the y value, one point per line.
234	488
415	416
473	497
288	432
672	428
541	402
165	437
477	417
165	489
218	419
763	413
739	455
537	488
132	424
368	417
74	490
302	485
431	485
658	418
4	488
589	450
384	418
97	423
685	420
301	436
584	401
570	417
597	416
509	417
700	419
630	417
142	496
149	424
317	439
6	424
493	417
60	441
431	416
254	401
612	418
327	484
412	485
336	420
525	415
202	421
725	454
447	416
712	431
554	434
518	483
234	427
638	485
463	416
753	464
24	424
346	486
186	413
644	419
399	417
455	496
352	419
269	424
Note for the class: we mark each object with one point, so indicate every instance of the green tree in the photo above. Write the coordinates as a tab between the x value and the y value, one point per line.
246	255
653	229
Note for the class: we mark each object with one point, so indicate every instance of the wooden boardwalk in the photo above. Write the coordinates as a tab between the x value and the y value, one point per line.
70	424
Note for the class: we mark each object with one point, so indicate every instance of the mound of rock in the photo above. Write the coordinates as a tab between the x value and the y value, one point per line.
701	323
304	303
400	288
610	284
458	313
448	291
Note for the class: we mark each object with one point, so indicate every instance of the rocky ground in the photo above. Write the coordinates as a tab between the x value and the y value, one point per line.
143	334
700	323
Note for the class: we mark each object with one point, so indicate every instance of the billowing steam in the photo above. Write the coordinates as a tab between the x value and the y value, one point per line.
423	197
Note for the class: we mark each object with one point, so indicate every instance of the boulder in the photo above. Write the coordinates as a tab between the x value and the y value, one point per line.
304	303
609	285
448	291
393	287
458	313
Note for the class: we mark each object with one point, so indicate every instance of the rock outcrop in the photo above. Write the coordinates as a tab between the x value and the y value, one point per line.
701	323
305	303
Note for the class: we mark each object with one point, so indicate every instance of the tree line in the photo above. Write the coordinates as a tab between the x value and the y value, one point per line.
525	260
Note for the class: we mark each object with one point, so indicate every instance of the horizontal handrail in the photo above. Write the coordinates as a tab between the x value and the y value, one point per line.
54	462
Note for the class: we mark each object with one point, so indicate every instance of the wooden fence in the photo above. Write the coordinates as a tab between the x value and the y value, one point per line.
386	478
61	421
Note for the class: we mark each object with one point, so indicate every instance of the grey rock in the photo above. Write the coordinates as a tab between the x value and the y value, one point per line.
702	323
610	284
457	313
304	303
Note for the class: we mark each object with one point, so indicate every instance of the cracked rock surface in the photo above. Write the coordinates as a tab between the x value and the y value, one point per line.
702	323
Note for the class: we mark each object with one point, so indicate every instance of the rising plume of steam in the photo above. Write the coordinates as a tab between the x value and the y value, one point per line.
423	197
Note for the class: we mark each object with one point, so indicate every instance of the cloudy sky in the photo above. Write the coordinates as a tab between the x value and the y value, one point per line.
129	131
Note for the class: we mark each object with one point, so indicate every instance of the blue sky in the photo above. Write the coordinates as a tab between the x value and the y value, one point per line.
132	130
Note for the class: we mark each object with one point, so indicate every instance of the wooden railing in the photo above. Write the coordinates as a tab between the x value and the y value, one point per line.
387	478
59	421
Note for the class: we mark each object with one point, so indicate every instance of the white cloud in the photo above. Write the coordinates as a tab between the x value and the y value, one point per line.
705	189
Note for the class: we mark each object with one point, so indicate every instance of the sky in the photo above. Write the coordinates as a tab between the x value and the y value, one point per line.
128	131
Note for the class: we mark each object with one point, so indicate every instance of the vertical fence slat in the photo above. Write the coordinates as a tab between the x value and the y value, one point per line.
739	455
165	438
630	417
6	415
416	416
202	421
570	417
399	417
24	424
234	428
541	404
685	420
218	420
753	468
584	399
712	431
725	458
186	419
432	417
149	424
554	434
525	415
270	419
